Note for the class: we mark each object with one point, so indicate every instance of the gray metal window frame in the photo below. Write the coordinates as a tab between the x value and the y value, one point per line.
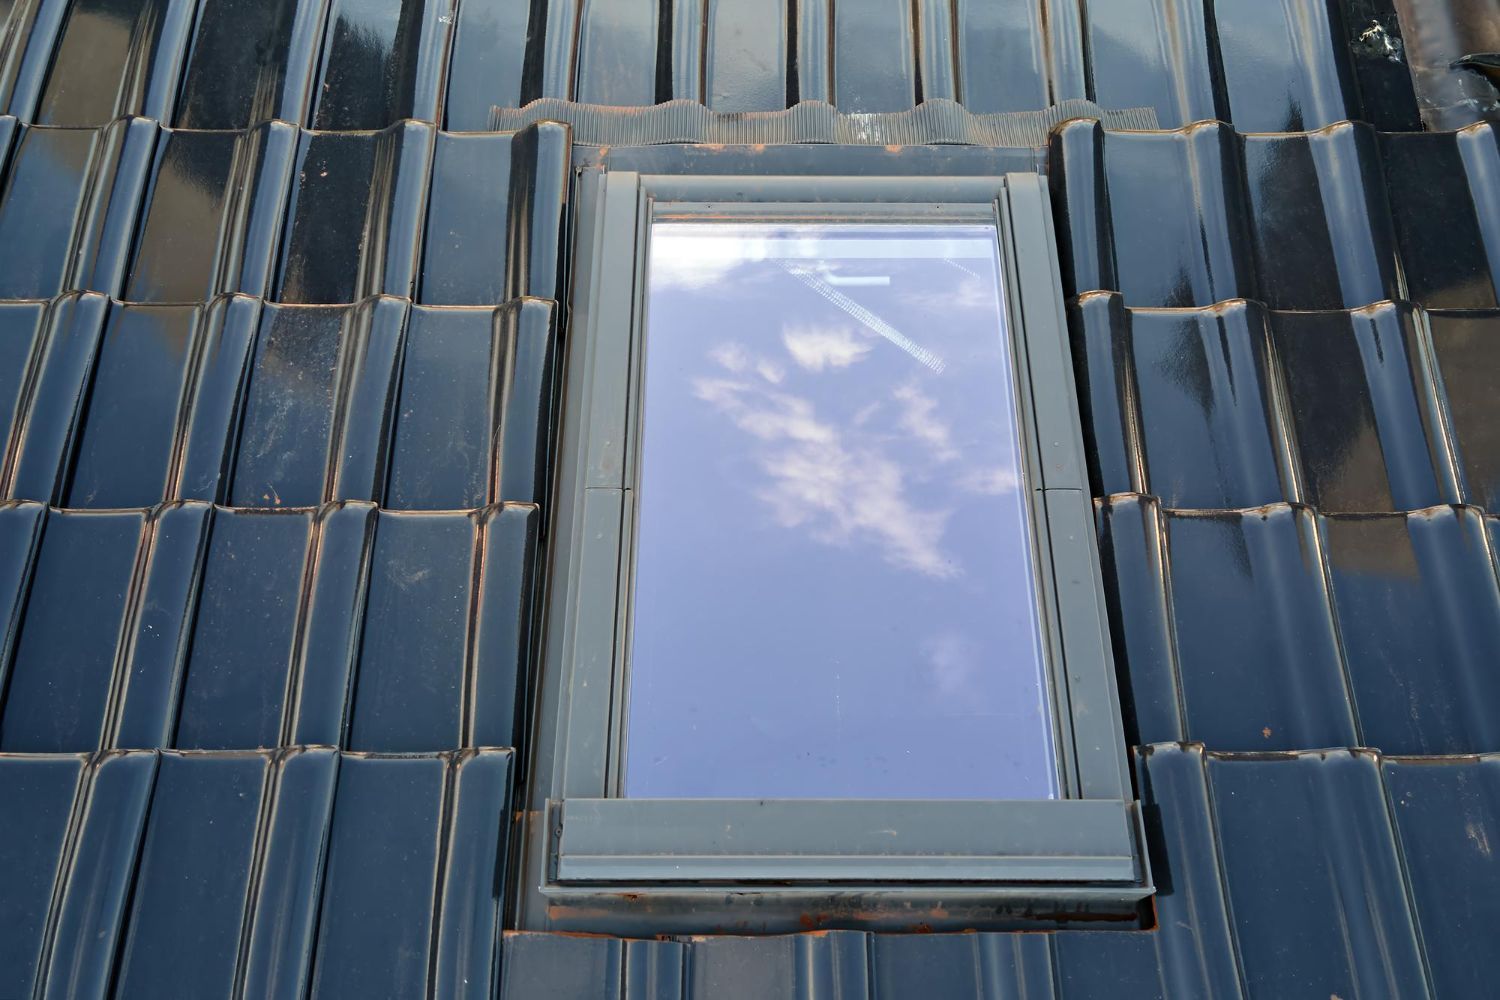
594	861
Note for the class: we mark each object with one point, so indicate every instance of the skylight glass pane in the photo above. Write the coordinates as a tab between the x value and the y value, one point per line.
834	591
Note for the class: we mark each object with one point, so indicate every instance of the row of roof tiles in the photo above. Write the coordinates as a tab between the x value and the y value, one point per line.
109	405
356	64
1334	219
204	627
1339	218
1279	628
309	872
1384	408
298	873
153	214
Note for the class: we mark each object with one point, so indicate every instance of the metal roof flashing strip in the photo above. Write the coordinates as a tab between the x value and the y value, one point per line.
932	121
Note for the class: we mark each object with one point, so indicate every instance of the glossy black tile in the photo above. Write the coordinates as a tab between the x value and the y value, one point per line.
93	895
24	328
212	214
182	935
1183	404
279	938
412	676
319	403
244	629
472	888
1224	628
1286	65
494	215
1257	647
128	425
42	443
496	59
617	51
878	68
88	62
1307	847
354	219
39	792
1369	435
1157	54
383	61
1319	220
66	648
1418	589
376	927
1447	814
746	55
250	61
1445	195
562	966
446	633
1123	224
68	205
1465	346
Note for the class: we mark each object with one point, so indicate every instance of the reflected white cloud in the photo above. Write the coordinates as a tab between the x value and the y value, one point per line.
920	419
816	348
841	490
952	660
990	482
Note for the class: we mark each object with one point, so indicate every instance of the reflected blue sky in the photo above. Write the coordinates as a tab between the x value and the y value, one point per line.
833	591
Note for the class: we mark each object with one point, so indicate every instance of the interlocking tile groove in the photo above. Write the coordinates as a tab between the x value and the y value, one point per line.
110	405
217	628
1205	603
146	874
1316	220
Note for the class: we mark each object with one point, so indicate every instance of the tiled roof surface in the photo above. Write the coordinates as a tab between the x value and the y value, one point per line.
279	328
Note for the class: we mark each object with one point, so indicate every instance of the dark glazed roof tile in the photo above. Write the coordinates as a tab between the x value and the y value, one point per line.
355	215
68	206
88	62
1448	817
562	967
64	645
1466	346
1369	433
1308	849
93	892
1419	613
382	61
1335	219
126	405
250	61
183	932
38	791
1452	255
1183	403
183	878
212	214
1223	626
